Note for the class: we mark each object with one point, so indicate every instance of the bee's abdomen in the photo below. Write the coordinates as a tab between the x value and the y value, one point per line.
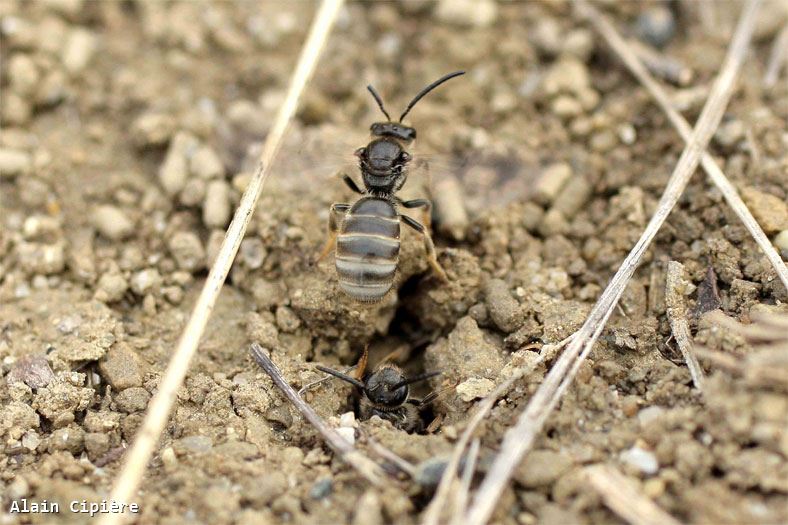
368	249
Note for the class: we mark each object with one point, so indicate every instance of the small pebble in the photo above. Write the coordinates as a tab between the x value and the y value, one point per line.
134	399
33	370
429	472
187	250
205	163
120	368
474	388
321	489
14	162
145	281
770	211
152	129
216	208
23	74
348	433
641	459
730	133
111	222
550	182
781	243
111	287
174	171
78	50
252	252
467	13
503	308
193	193
44	259
656	25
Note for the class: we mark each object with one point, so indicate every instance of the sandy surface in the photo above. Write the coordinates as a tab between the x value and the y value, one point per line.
129	132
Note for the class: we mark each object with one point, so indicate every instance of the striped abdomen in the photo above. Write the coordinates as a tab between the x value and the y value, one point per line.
368	249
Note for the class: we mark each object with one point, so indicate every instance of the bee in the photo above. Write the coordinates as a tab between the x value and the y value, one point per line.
367	234
385	393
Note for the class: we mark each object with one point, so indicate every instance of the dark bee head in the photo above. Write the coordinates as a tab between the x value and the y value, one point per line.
384	160
386	386
392	129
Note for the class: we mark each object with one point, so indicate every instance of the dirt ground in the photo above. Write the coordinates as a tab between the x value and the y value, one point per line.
129	130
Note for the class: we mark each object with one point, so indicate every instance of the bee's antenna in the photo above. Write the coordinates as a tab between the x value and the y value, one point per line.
352	380
378	100
428	89
415	379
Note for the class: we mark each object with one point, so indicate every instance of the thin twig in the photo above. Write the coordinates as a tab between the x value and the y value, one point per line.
461	497
148	435
676	289
519	439
625	498
663	66
710	166
405	466
777	58
365	466
432	514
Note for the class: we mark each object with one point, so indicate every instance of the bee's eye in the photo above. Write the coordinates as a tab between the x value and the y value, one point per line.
405	156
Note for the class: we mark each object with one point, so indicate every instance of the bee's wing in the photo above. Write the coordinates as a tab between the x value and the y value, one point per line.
463	187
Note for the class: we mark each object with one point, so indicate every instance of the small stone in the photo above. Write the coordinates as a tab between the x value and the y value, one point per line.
193	444
174	171
261	492
287	320
252	253
145	281
14	162
770	211
369	510
96	444
111	222
121	368
33	370
70	439
474	388
656	25
730	133
31	440
548	36
541	468
550	182
579	43
134	399
111	287
641	459
152	129
205	163
168	459
321	489
187	250
193	193
348	419
566	75
429	472
467	13
649	414
42	259
781	243
78	50
23	74
216	208
503	308
566	106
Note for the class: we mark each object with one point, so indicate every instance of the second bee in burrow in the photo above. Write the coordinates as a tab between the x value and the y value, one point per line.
367	234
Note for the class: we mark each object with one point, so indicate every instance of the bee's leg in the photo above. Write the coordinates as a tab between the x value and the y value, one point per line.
352	184
333	229
428	246
421	203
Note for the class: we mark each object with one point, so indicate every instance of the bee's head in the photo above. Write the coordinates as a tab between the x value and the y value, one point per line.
387	386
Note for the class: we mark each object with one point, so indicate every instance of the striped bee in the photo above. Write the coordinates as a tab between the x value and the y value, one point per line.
367	234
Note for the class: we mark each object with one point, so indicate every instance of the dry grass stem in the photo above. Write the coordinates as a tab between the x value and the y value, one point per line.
777	58
519	439
625	498
159	409
718	178
433	512
461	497
677	286
365	466
665	67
